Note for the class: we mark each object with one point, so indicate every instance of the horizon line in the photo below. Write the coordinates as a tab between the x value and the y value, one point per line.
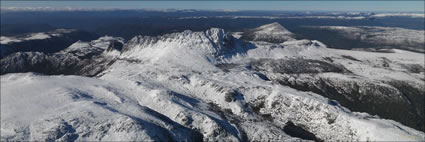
70	8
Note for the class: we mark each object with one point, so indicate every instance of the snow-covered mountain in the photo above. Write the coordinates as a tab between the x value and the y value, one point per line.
82	58
209	85
407	39
35	36
48	42
412	15
273	32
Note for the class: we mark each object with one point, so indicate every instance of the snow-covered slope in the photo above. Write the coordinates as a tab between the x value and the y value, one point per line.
79	108
206	86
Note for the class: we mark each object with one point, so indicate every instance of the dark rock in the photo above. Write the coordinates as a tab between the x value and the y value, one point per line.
296	65
299	132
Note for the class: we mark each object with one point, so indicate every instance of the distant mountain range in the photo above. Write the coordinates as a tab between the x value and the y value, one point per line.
47	42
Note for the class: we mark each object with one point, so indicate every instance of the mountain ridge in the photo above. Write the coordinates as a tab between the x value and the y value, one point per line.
211	86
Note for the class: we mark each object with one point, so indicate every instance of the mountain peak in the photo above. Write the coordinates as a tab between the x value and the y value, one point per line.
188	38
273	28
273	32
216	34
202	48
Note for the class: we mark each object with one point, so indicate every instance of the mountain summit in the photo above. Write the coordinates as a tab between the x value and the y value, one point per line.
273	32
273	29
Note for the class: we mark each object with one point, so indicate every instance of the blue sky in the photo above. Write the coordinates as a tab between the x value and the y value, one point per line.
405	6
